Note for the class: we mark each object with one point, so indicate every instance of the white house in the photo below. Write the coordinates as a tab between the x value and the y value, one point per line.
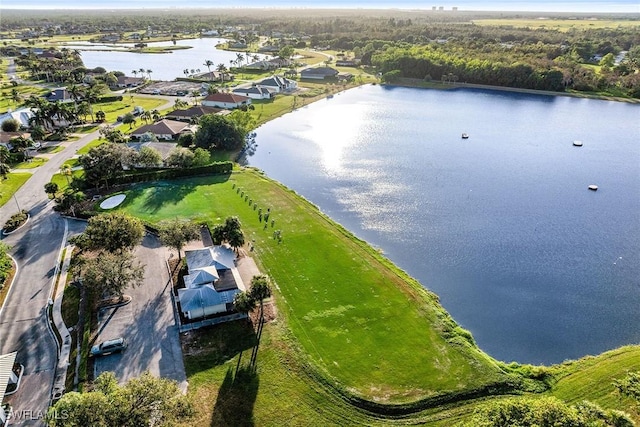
226	100
279	84
7	377
22	115
212	282
255	92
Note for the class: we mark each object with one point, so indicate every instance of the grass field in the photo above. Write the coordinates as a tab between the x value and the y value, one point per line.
349	324
559	24
11	184
119	108
364	324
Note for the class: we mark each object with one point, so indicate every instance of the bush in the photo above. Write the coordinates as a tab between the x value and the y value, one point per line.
106	99
15	221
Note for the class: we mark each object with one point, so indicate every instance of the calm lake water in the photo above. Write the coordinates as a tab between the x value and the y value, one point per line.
164	66
501	225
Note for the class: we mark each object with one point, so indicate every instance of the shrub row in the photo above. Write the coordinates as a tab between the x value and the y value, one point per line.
218	168
112	98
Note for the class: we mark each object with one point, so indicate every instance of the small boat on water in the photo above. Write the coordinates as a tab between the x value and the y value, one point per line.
577	143
593	187
465	135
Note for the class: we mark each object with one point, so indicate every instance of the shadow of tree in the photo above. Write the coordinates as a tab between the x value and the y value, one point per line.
236	398
215	345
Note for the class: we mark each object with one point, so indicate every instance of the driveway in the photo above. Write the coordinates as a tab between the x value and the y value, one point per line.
23	320
147	323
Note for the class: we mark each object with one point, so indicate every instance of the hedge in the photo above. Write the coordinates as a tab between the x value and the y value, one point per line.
218	168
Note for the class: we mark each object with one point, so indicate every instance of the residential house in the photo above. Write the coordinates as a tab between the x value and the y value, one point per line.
8	381
255	92
22	115
347	62
167	130
6	137
192	112
164	148
262	65
215	76
226	100
212	282
279	84
318	73
59	95
125	81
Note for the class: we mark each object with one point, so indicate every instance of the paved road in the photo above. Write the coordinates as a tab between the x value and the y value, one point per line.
23	321
147	323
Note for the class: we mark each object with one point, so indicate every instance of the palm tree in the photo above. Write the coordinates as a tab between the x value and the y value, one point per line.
67	172
195	94
260	290
146	116
15	96
141	71
135	73
186	72
208	63
101	116
221	68
149	73
239	58
155	115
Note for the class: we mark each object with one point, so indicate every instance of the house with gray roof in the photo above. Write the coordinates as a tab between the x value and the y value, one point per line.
194	111
212	282
255	92
279	84
318	73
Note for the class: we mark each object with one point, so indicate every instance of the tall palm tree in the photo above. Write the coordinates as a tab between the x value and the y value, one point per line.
149	73
195	94
135	73
67	172
239	58
155	115
141	71
146	116
222	69
208	63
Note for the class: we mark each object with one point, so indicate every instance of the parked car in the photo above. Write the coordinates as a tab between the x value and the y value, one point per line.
108	347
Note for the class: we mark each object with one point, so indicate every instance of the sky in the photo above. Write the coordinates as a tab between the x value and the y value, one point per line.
600	6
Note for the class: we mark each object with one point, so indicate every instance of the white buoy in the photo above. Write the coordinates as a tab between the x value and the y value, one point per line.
577	143
593	187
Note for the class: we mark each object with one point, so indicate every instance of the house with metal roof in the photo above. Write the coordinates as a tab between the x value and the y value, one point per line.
212	282
9	380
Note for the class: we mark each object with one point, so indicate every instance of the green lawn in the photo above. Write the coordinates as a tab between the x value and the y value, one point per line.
10	185
90	145
31	164
366	326
119	108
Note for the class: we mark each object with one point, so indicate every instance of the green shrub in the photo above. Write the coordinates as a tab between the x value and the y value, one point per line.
15	221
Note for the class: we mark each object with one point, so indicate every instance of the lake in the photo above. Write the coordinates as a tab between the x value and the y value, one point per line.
164	66
501	225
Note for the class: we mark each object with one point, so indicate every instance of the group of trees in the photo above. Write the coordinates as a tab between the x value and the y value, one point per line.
260	290
229	232
143	401
106	265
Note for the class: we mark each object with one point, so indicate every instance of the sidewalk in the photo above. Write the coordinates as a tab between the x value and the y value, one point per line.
65	349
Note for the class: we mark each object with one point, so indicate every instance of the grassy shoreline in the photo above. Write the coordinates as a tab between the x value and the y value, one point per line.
304	356
417	83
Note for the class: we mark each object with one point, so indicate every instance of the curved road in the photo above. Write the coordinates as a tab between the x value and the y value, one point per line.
23	319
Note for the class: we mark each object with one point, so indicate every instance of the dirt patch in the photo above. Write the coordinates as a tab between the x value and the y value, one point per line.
270	314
